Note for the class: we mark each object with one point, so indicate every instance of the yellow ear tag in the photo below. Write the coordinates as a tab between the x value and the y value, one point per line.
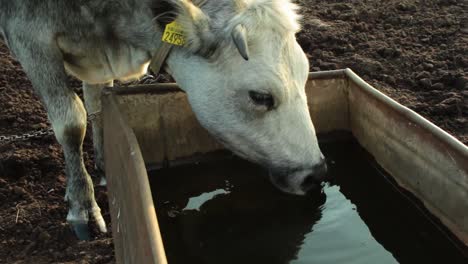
174	34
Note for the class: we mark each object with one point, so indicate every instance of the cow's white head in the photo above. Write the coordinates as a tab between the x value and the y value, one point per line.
245	75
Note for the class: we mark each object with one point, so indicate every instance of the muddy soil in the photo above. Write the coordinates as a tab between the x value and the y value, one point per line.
414	51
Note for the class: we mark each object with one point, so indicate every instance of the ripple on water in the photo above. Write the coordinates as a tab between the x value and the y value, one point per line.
341	236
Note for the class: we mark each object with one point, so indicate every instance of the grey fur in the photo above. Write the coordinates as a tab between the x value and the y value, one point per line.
100	41
42	35
51	38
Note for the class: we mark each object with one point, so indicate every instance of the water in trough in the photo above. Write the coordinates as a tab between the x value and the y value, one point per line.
227	211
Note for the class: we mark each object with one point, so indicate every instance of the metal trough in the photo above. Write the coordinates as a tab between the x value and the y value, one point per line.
149	125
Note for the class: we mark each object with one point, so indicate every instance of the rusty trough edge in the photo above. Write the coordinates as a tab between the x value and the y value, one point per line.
156	88
142	181
442	137
454	143
323	75
161	88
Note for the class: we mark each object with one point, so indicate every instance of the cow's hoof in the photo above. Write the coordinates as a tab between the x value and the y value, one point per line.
81	231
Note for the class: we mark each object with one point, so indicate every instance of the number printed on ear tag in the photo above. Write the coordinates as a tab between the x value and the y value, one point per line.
174	34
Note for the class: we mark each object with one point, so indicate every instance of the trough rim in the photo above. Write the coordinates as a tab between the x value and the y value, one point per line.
347	73
350	78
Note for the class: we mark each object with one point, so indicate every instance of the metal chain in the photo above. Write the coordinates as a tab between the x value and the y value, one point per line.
36	134
40	133
147	79
93	116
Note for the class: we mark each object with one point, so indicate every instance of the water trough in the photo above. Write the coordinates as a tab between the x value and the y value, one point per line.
152	126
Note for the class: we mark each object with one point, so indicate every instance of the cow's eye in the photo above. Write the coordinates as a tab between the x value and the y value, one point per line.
262	99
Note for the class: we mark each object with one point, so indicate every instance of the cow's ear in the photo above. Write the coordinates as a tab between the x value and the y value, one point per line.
200	38
164	12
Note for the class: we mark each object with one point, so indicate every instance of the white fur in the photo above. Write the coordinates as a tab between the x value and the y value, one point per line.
218	80
218	87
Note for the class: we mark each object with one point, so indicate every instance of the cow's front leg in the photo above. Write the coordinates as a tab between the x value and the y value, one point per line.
69	122
70	130
44	66
68	117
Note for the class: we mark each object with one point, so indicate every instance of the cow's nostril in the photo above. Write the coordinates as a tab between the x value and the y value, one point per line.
309	183
320	171
313	180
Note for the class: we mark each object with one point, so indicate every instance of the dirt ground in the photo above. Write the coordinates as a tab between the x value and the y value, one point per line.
414	51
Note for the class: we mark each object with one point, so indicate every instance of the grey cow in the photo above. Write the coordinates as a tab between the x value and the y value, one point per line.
241	67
